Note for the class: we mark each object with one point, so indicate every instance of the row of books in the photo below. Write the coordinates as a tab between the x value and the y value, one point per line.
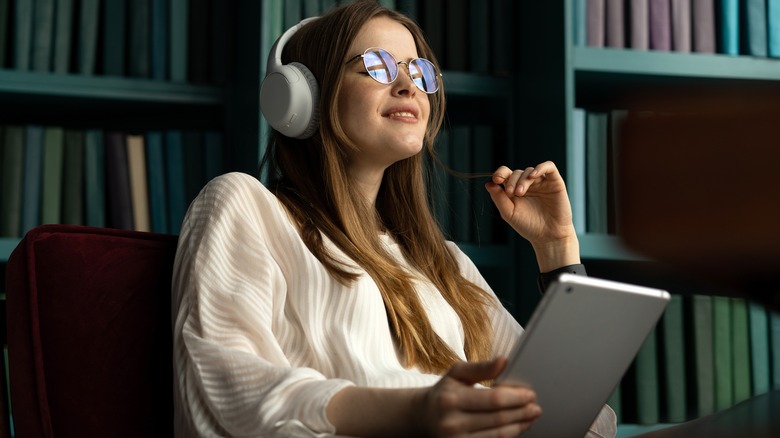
465	35
731	27
707	354
141	181
167	40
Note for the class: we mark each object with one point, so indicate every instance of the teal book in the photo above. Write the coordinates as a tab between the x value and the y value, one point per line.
43	35
647	382
774	351
740	343
63	33
94	178
461	201
773	28
760	364
159	39
177	193
33	168
21	40
73	178
178	30
114	37
575	170
139	34
578	23
89	18
703	367
596	142
754	28
482	148
158	190
729	27
213	155
722	352
53	157
11	181
4	29
674	349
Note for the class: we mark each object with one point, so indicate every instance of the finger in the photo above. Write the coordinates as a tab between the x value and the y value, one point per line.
502	201
513	429
491	421
470	373
487	400
501	174
516	183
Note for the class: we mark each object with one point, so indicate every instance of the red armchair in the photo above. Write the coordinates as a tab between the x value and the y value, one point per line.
89	332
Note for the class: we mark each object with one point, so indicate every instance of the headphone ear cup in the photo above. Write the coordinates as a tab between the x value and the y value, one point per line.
289	100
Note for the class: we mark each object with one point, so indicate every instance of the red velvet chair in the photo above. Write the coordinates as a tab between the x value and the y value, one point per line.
89	333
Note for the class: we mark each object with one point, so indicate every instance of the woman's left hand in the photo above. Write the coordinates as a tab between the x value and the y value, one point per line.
534	202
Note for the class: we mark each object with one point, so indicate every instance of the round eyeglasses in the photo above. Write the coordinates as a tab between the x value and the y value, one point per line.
383	67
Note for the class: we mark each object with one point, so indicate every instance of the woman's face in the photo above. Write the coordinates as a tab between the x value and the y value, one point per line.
387	122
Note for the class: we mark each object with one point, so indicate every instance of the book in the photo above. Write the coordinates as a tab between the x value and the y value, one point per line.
774	351
575	171
729	27
456	35
773	28
681	25
175	180
114	42
596	131
139	34
63	31
615	24
43	35
53	157
158	190
703	368
94	178
674	365
754	36
596	23
647	383
740	345
21	39
73	178
118	192
722	352
760	365
617	118
660	25
89	17
139	191
4	29
639	24
11	181
158	39
178	28
703	26
31	191
198	42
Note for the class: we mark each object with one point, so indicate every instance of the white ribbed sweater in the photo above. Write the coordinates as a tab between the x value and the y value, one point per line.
264	336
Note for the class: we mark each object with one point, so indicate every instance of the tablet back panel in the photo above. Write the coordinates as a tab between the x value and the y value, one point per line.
577	345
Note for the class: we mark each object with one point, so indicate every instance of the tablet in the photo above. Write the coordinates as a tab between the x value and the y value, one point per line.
579	342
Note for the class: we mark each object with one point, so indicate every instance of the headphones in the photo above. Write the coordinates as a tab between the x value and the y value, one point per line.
289	94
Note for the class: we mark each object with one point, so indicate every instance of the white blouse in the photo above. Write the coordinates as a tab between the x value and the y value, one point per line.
264	336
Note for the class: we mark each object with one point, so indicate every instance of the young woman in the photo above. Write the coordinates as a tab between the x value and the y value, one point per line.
330	302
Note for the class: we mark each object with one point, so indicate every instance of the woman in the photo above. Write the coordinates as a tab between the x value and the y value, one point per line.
329	302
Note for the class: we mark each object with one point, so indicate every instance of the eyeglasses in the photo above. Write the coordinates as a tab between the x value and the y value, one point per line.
383	67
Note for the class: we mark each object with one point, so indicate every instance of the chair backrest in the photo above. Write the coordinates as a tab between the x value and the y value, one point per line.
89	332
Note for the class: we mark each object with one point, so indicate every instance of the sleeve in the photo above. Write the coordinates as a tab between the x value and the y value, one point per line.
545	278
232	375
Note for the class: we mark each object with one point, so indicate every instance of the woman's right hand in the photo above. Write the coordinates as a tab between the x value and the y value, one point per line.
454	407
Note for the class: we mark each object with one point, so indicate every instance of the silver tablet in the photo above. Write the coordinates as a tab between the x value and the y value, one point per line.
579	342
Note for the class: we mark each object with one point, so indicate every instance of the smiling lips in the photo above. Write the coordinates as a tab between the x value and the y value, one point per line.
403	115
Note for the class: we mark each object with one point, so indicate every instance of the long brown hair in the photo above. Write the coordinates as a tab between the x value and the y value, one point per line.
310	177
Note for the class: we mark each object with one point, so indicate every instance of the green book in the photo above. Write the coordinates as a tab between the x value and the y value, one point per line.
647	383
43	35
89	17
740	343
155	166
11	181
175	180
53	157
754	28
159	39
674	361
4	29
729	27
63	30
575	171
179	19
73	178
759	348
774	351
114	38
31	192
22	36
596	138
703	367
139	34
94	178
722	352
773	28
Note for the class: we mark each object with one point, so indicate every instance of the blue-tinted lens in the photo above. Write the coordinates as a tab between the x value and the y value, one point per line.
380	65
423	74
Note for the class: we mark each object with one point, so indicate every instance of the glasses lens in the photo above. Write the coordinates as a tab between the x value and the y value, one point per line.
380	65
423	74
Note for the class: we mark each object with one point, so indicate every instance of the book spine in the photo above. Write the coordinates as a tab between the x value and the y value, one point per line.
63	29
177	194
639	14
158	190
114	42
73	178
33	158
89	18
596	26
755	28
674	360
43	34
660	25
729	27
741	348
759	348
647	390
596	156
120	209
704	26
615	24
53	157
179	28
159	39
703	354
94	178
575	171
773	28
722	352
4	29
139	194
139	33
22	37
12	180
681	25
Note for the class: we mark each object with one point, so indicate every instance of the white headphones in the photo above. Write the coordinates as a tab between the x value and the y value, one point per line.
289	95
